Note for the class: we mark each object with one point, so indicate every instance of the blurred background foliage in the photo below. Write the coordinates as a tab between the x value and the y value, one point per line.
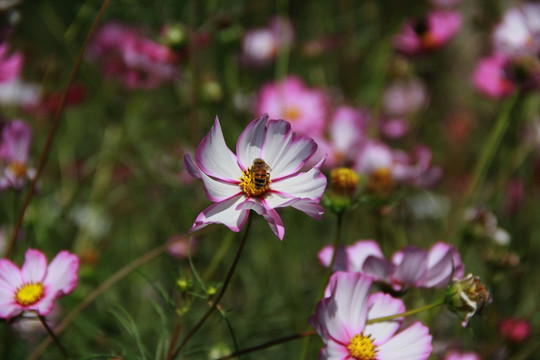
111	190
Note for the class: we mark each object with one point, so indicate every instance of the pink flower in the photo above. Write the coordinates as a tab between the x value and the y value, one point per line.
138	61
425	35
456	355
262	176
516	330
262	45
409	267
14	150
291	100
340	319
491	79
10	66
35	286
415	169
517	33
404	97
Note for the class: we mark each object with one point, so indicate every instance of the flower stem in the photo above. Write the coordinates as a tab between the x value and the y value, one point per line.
269	344
219	296
406	313
334	254
53	336
46	149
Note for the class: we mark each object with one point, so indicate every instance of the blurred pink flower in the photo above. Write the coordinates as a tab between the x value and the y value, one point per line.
393	128
347	132
456	355
428	34
14	151
516	330
402	98
262	45
491	79
289	99
10	66
518	32
138	62
340	319
409	267
237	184
179	246
35	286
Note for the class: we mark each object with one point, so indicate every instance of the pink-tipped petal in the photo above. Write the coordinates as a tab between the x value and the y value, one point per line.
335	351
223	212
219	190
251	141
61	276
380	268
325	257
35	266
215	158
413	343
274	220
412	268
381	305
440	266
191	167
358	252
10	275
284	151
310	184
8	307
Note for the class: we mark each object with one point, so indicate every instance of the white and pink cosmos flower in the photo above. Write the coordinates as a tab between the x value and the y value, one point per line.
35	286
411	266
291	100
518	33
14	153
341	321
261	45
428	34
230	180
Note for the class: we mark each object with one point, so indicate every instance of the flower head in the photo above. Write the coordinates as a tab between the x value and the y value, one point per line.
10	65
262	176
517	33
341	321
516	330
14	150
261	45
491	79
467	297
35	286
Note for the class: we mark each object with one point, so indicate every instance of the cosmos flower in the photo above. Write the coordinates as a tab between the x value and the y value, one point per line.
517	33
411	266
428	34
262	45
10	65
35	286
340	319
467	297
137	61
262	176
14	151
491	78
515	330
456	355
291	100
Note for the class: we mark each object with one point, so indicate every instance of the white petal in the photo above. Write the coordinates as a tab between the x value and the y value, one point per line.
215	158
413	343
62	273
219	190
381	305
35	266
335	351
251	141
284	151
308	206
412	268
310	185
223	212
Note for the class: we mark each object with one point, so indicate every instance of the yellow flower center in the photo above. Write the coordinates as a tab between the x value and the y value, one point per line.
344	181
254	183
19	169
29	294
381	182
291	113
362	348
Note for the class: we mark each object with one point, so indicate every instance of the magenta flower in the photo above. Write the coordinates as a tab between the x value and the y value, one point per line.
456	355
340	319
291	100
515	330
262	45
14	151
262	176
409	267
491	79
139	62
35	286
10	66
428	34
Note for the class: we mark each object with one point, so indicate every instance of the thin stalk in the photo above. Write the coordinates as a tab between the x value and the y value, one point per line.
123	272
482	165
52	131
335	245
269	344
221	292
53	336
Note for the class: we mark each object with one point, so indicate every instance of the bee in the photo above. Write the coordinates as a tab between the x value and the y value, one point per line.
260	172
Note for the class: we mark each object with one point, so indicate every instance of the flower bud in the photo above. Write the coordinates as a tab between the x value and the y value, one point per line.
467	297
343	183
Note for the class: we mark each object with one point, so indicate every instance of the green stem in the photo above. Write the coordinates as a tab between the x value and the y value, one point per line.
406	313
482	165
220	295
337	240
53	336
